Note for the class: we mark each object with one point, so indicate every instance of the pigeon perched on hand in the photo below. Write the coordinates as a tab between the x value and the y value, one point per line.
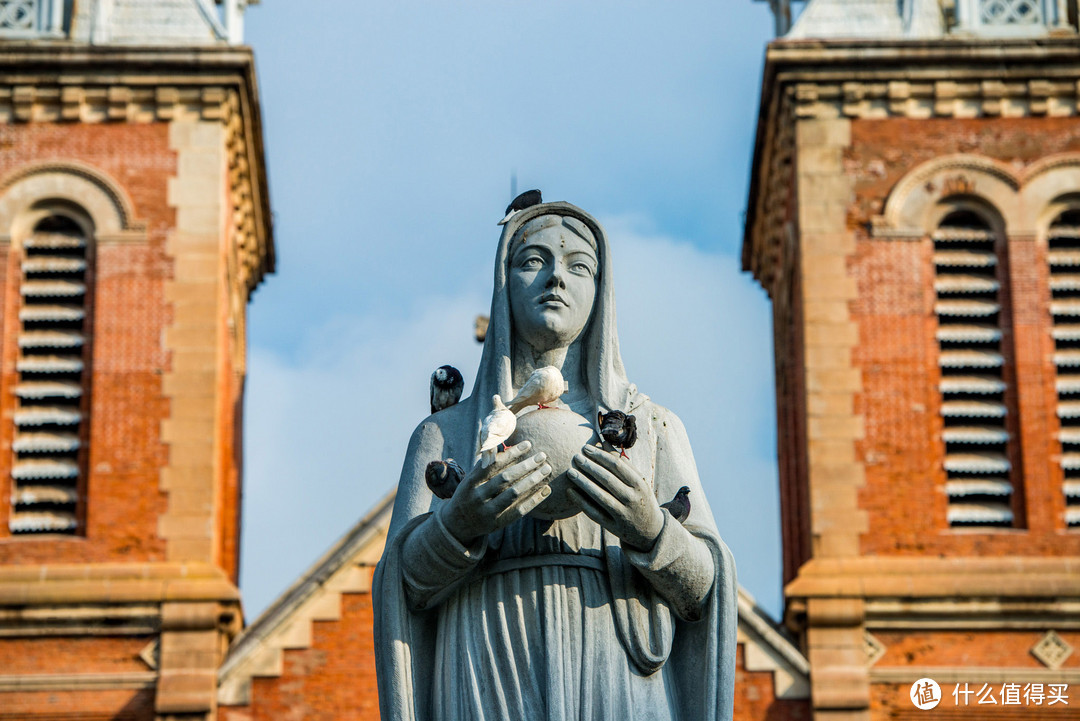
544	386
526	200
443	477
446	386
618	429
498	426
679	506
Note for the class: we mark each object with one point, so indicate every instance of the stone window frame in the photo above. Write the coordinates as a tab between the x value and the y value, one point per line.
95	202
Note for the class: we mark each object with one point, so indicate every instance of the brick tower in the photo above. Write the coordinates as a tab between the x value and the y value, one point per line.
133	226
915	218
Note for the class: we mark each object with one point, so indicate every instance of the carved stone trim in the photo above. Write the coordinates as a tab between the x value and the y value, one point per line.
1051	650
116	193
1019	197
972	674
937	99
78	681
874	648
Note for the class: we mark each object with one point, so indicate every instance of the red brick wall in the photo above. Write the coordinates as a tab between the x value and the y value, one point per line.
897	354
334	680
120	705
755	699
130	314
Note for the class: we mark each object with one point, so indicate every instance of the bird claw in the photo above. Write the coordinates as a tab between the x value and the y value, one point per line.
541	405
622	454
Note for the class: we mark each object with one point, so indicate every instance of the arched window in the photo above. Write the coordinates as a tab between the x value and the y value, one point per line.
50	431
1063	255
973	381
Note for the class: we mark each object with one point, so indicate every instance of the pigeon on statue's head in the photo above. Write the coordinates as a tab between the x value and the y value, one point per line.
443	477
526	200
446	386
679	506
498	425
544	386
619	429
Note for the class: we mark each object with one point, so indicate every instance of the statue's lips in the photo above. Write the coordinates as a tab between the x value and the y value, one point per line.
560	433
553	300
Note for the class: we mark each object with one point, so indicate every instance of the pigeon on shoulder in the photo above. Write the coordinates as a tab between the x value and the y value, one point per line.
446	386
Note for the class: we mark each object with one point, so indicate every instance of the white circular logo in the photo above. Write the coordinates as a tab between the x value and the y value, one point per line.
925	694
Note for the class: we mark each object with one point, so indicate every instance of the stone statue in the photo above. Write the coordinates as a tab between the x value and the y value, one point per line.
551	584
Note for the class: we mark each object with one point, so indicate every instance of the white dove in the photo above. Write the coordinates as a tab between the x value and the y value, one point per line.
544	386
496	428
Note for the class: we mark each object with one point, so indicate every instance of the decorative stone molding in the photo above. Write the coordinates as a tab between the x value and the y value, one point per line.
27	195
43	103
78	682
874	648
972	674
1023	199
1051	650
771	232
938	99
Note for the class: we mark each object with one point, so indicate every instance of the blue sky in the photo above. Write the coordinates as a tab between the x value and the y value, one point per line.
392	131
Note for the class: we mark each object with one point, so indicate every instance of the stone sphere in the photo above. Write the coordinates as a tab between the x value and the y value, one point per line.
560	433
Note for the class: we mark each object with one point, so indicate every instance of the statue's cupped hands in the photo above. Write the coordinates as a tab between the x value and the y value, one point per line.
616	495
494	497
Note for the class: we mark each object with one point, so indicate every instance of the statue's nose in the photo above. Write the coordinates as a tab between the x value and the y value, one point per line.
556	279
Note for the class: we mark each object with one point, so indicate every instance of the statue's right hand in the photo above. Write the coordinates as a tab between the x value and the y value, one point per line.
494	497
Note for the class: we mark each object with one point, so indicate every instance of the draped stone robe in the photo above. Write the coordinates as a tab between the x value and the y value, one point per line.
553	620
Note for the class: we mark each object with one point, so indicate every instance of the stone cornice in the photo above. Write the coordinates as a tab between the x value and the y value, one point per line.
68	83
871	80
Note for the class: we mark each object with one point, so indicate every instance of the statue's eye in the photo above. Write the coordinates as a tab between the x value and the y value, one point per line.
532	262
582	268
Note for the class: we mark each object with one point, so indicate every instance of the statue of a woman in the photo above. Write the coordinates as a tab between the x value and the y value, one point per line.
536	594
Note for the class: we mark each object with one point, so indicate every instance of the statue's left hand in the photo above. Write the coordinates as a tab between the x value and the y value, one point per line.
616	495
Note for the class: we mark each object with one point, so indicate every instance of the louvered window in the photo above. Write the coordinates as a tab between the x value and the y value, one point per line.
1064	258
973	386
49	420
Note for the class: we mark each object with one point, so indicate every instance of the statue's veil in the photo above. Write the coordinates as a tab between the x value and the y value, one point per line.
605	377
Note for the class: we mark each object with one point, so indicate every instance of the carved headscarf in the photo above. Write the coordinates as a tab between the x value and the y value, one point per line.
605	378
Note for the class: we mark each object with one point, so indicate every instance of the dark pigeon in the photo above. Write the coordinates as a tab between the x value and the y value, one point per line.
618	429
443	477
526	200
679	506
446	386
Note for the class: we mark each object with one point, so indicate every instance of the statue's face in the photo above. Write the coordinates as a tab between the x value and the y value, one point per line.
552	285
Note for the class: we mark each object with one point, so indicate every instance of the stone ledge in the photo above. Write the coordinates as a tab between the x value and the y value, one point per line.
78	681
937	578
114	583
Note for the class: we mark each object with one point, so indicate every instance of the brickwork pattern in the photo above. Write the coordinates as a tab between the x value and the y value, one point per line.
333	680
124	501
897	351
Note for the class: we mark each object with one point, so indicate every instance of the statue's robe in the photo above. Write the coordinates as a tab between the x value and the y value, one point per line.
591	641
589	638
